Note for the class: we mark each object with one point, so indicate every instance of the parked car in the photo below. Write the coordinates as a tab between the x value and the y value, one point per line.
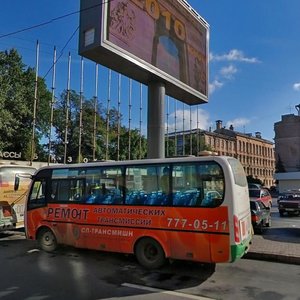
261	194
274	191
260	215
289	202
254	186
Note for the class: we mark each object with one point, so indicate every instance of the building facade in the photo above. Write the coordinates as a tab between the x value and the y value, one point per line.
287	142
255	153
287	151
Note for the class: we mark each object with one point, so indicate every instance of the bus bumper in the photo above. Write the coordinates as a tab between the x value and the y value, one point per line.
239	250
6	226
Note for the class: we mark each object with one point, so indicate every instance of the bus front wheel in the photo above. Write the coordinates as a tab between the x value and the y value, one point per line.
47	240
150	254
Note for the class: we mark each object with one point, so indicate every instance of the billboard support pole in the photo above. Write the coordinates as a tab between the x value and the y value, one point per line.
156	120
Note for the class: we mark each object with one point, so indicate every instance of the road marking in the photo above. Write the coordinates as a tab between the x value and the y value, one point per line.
156	290
33	250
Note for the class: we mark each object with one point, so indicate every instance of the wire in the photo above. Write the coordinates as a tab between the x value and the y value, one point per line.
52	20
61	52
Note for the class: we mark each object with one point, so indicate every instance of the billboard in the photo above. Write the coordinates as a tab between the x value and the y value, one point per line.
149	40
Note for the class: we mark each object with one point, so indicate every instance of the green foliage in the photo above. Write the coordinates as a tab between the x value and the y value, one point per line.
17	90
16	105
118	135
251	179
197	144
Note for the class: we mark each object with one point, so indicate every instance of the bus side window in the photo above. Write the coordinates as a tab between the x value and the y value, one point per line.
65	190
59	191
37	196
77	190
187	186
165	180
199	184
213	184
145	185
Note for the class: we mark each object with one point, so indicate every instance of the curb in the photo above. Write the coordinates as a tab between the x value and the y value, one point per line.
272	257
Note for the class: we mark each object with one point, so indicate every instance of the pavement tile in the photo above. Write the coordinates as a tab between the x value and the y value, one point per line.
266	247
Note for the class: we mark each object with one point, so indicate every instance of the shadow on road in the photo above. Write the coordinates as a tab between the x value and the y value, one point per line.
17	233
283	234
173	276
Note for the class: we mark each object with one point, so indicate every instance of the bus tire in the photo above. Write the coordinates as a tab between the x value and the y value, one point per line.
47	240
149	253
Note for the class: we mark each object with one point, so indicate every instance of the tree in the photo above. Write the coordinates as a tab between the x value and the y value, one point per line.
251	179
88	114
198	145
138	144
16	105
69	102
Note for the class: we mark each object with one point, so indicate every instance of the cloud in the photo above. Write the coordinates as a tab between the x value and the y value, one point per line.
228	71
238	122
296	86
233	55
216	84
190	120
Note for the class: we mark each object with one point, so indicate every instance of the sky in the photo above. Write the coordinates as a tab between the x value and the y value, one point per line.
254	61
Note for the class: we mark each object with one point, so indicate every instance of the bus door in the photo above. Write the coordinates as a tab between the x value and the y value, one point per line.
64	209
55	198
199	220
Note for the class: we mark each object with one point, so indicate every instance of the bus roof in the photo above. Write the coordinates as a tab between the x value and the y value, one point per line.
139	162
16	166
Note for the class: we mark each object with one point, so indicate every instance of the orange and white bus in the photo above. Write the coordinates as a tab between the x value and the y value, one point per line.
201	214
12	203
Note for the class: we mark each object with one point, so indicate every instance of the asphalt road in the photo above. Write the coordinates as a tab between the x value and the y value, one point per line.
69	273
27	273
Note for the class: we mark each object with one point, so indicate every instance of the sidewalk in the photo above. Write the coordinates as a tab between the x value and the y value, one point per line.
272	246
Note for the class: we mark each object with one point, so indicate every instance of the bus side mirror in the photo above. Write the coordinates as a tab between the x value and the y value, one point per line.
17	183
17	179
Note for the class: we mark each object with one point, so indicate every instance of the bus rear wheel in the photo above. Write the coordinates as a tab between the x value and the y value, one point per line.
150	254
47	240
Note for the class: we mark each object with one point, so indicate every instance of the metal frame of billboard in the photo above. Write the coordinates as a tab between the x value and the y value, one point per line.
149	40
